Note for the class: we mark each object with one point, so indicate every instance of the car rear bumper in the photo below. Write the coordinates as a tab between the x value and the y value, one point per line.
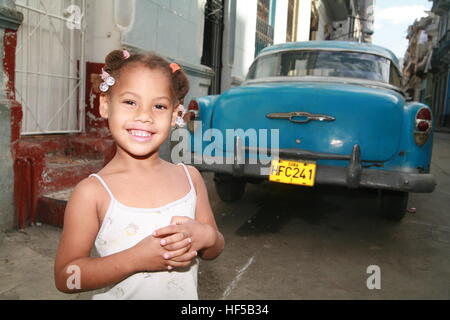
352	176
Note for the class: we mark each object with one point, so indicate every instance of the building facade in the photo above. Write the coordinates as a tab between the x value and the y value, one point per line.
54	135
440	65
418	80
426	70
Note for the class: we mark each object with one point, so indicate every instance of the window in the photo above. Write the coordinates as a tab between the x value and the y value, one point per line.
266	66
50	66
264	24
395	77
326	64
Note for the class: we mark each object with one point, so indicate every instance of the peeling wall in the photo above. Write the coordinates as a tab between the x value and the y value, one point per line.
6	163
10	19
6	169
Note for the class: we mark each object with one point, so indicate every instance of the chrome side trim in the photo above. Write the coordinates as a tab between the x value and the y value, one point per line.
309	116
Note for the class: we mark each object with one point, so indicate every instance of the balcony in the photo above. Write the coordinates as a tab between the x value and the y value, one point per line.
440	7
339	9
264	35
441	54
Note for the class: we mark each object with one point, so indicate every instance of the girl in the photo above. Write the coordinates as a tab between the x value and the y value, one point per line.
148	218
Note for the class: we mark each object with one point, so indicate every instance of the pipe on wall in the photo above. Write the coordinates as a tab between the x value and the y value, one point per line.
124	14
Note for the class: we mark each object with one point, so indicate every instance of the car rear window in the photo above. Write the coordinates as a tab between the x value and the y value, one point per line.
325	64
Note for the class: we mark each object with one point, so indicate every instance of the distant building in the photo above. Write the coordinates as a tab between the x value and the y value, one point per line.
426	70
417	60
357	25
440	65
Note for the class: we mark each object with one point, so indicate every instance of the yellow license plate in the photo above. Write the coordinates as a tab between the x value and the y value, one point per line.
293	172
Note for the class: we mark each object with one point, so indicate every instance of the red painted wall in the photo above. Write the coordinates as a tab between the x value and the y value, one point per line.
29	153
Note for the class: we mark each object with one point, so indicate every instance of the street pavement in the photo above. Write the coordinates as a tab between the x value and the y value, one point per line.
288	242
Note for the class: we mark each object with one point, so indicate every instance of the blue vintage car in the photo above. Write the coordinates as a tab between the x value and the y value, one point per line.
323	112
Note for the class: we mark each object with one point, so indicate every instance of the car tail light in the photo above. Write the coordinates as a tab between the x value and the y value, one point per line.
423	126
192	110
191	114
424	114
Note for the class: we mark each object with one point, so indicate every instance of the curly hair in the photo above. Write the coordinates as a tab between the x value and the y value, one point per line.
115	63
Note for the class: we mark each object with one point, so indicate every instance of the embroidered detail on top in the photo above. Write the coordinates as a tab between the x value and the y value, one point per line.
131	229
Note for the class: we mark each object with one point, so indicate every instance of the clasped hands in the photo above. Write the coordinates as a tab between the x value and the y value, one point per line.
174	246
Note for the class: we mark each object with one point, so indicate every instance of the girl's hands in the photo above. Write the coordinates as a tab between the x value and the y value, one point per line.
174	246
181	229
150	255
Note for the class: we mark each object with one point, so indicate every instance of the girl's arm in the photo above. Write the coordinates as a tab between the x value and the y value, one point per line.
206	237
81	225
203	214
75	271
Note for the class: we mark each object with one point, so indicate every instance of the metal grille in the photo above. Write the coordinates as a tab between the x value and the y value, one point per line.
50	66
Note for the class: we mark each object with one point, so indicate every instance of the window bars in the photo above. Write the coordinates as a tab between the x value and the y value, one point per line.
50	66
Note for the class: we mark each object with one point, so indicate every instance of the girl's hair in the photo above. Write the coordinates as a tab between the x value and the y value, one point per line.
116	62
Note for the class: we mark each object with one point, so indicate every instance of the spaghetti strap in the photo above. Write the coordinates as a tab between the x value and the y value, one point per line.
104	184
188	175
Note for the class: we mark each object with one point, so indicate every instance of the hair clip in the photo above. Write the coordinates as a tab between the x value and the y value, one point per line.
179	121
175	67
108	81
126	54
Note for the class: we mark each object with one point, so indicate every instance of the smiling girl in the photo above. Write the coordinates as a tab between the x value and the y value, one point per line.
148	219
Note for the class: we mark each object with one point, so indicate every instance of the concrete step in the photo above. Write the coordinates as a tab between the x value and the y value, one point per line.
60	175
61	172
51	206
46	164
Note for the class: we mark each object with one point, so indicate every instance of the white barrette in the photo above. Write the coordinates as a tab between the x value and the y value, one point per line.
179	121
108	81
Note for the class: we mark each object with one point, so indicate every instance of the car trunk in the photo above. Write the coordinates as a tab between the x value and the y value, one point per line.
369	117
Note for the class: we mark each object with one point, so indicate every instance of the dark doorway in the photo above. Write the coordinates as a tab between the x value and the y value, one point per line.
212	41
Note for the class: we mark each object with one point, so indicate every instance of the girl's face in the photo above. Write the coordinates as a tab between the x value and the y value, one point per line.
140	110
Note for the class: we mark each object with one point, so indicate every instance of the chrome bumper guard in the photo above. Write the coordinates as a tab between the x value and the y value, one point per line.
352	176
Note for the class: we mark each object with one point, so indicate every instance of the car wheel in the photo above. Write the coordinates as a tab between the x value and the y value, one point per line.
229	188
392	204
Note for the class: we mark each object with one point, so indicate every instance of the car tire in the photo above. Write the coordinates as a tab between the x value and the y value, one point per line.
392	204
229	188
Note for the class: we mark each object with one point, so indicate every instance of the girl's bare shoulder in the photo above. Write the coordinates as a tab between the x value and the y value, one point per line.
88	187
90	191
195	174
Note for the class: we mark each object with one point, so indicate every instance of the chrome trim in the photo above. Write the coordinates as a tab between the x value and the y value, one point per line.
309	116
334	175
194	112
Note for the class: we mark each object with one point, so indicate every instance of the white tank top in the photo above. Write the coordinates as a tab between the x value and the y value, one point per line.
123	227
